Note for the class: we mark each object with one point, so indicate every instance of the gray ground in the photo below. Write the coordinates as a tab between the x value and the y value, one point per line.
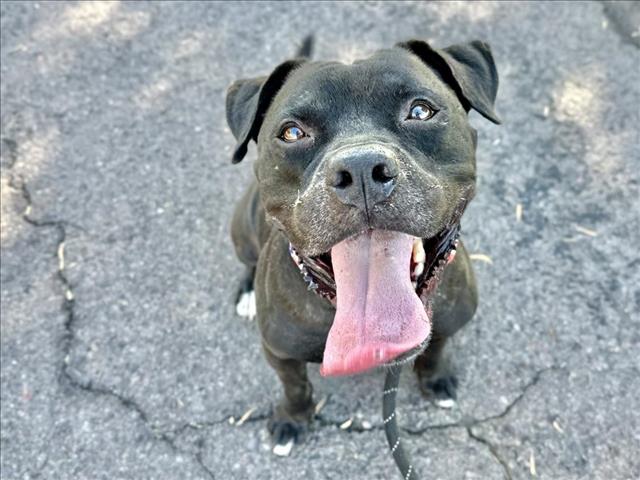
122	357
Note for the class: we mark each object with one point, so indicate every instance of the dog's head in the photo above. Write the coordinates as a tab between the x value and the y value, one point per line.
357	161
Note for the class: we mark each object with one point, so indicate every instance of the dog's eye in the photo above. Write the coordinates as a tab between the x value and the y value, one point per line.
421	111
292	133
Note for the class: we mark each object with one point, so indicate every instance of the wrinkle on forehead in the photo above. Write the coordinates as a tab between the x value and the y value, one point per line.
388	72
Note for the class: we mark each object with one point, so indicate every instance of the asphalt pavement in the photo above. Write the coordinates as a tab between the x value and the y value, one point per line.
122	357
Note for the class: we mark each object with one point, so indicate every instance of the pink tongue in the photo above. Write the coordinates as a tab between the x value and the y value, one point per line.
378	314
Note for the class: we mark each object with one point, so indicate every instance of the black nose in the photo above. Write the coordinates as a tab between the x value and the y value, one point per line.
362	179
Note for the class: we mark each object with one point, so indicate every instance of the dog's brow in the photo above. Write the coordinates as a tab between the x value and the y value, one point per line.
302	112
403	87
399	89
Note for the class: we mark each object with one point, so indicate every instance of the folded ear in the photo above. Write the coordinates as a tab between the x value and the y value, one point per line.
469	69
248	101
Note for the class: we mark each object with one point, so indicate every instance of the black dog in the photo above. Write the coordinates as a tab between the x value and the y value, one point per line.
363	173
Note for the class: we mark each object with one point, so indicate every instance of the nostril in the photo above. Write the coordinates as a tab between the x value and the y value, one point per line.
381	173
343	179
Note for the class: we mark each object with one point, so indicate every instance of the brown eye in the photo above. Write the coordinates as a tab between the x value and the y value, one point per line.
292	133
421	111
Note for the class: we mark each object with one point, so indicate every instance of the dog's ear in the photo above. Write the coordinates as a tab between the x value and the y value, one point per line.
248	101
469	69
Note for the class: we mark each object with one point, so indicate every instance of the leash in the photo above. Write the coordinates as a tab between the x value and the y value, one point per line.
390	421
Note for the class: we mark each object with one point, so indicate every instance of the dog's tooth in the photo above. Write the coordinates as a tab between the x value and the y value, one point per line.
252	305
418	269
419	255
415	284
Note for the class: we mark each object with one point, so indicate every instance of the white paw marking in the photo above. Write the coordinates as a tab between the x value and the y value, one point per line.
283	450
246	306
445	403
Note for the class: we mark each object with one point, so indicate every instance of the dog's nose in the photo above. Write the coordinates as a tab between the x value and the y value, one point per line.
362	178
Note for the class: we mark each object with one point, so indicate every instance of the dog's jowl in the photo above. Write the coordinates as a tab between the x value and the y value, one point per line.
350	232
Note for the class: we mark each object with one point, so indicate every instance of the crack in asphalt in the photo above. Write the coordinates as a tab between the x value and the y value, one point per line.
66	375
493	450
468	421
12	151
195	426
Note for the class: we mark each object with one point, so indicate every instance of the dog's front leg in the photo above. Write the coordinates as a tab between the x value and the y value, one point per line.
435	377
293	414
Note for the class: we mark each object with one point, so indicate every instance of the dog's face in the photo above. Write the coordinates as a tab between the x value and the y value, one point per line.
397	119
381	145
389	119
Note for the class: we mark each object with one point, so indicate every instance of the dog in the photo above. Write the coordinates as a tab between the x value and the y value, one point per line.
349	233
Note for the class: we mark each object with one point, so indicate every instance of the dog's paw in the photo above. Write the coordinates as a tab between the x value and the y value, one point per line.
246	305
285	433
440	390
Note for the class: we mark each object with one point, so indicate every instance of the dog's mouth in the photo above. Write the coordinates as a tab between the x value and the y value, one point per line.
381	284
